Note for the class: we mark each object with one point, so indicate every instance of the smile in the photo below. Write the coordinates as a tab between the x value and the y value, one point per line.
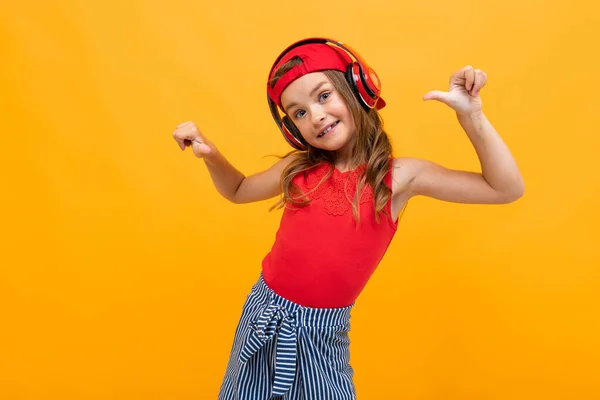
328	129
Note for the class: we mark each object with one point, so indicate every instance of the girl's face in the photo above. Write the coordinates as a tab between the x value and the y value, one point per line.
318	111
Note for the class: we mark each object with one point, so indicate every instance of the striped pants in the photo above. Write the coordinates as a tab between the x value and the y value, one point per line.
284	351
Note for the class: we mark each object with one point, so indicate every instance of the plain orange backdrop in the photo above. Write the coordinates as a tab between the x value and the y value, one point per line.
123	272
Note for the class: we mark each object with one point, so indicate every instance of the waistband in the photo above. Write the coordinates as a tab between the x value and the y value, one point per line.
305	316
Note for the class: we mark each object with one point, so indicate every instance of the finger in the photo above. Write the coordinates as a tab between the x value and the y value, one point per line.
476	83
192	132
184	137
469	74
459	77
480	80
180	141
187	132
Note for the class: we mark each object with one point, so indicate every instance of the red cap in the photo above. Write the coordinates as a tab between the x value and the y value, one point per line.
315	57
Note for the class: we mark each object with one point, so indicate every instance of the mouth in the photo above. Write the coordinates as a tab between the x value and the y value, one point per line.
327	129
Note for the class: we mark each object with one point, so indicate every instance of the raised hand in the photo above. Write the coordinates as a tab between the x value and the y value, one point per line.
463	93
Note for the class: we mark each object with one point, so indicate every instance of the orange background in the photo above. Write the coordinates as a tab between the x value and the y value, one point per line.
122	271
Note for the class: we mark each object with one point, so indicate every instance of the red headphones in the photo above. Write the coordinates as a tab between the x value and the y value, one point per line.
363	81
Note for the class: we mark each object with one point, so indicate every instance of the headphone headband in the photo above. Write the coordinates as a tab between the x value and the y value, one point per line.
311	41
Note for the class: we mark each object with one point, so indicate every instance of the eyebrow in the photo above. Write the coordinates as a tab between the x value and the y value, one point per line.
311	93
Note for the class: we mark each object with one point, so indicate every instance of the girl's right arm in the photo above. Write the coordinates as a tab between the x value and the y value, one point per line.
229	182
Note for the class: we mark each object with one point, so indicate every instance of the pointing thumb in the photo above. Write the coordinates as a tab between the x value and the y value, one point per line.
437	95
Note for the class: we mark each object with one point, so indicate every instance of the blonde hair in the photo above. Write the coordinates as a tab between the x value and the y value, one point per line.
372	148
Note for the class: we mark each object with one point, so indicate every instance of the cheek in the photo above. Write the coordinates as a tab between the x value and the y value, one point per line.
341	110
344	114
305	130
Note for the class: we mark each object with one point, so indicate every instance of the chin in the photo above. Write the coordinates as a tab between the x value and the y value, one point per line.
329	146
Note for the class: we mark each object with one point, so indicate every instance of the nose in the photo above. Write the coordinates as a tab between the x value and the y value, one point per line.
318	114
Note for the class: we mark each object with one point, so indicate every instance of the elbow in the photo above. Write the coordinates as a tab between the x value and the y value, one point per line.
520	189
231	197
234	199
515	194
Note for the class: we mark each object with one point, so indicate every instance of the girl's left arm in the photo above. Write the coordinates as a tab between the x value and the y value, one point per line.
499	180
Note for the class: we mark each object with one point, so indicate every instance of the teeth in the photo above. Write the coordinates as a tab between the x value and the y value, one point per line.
328	129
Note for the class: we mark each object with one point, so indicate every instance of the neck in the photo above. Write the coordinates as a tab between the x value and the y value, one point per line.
343	156
344	167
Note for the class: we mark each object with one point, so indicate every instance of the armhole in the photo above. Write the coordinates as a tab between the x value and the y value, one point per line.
388	206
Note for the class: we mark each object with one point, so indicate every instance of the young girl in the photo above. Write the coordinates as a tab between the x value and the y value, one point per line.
342	193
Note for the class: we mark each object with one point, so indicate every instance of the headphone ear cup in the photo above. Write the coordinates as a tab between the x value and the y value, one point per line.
293	134
354	77
371	91
352	82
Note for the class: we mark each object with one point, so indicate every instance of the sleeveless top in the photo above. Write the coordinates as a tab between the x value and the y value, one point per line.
322	257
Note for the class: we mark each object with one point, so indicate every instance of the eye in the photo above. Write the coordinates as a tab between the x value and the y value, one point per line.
298	113
324	96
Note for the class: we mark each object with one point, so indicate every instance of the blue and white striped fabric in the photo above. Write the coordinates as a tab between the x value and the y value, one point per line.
284	351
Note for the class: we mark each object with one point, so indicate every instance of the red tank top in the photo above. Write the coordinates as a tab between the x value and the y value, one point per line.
321	256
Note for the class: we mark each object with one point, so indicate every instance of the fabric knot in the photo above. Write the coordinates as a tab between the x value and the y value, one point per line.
275	322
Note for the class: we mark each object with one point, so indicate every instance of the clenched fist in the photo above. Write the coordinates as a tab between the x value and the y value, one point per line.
188	134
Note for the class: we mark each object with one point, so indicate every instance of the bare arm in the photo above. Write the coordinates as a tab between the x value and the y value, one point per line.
229	181
499	181
498	166
237	188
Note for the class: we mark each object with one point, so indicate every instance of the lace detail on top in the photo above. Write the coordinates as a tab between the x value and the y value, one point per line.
338	190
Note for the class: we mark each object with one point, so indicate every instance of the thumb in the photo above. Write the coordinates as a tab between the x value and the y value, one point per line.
437	95
200	149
